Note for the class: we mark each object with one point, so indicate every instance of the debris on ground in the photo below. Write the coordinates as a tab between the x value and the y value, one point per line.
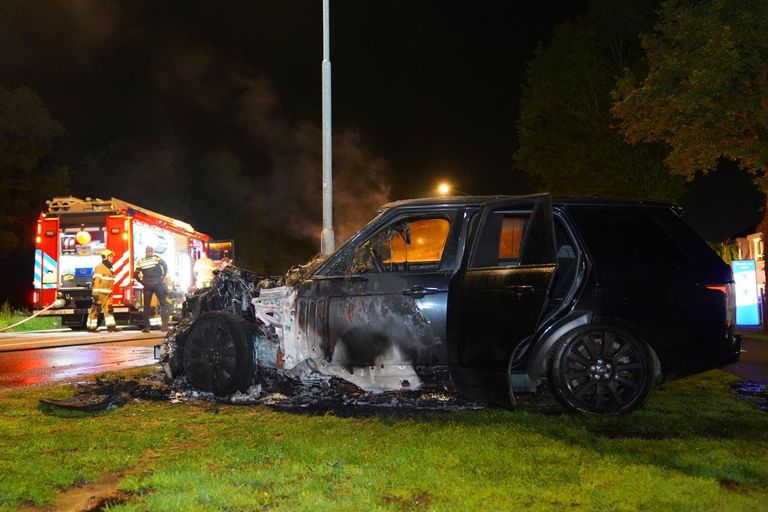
111	392
284	392
755	392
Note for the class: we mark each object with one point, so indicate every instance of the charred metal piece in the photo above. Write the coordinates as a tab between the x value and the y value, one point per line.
110	393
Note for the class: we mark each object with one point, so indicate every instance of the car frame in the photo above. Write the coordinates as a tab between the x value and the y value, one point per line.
560	308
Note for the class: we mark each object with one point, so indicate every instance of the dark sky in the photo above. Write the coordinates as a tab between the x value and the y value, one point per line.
422	90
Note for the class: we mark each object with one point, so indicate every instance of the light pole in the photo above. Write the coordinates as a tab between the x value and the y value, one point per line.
327	237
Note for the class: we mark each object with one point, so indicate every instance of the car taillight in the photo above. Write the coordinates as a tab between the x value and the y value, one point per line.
729	290
35	297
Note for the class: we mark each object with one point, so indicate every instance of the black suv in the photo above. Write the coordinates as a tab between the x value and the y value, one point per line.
491	296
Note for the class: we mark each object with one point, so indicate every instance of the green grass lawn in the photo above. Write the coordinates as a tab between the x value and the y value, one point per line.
694	447
9	316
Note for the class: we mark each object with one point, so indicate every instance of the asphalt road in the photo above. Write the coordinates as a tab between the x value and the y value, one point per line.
753	362
36	358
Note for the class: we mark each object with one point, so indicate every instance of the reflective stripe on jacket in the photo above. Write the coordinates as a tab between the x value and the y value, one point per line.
151	268
103	280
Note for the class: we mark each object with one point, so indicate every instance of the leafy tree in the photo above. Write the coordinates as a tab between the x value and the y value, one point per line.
567	136
705	90
27	179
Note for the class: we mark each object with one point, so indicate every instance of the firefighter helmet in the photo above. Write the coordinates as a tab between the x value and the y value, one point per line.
106	253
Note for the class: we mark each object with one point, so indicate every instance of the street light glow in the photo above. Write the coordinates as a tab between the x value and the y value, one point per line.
444	189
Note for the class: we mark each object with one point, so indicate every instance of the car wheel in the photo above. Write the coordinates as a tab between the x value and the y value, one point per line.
601	370
217	356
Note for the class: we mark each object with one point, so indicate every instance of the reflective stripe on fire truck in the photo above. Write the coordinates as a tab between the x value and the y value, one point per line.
45	270
120	268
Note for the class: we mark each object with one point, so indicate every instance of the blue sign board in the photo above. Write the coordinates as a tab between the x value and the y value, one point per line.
745	278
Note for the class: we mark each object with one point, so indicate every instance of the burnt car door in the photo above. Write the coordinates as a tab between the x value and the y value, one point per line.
378	315
498	299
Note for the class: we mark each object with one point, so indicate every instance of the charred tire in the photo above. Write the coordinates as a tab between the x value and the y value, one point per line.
601	369
218	354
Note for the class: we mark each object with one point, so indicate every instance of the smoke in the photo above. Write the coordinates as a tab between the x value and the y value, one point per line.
286	183
294	199
171	79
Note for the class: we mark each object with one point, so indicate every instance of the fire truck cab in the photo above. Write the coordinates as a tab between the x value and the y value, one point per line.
70	237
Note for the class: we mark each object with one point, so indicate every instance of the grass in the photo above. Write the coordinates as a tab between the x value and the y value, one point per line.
9	316
694	447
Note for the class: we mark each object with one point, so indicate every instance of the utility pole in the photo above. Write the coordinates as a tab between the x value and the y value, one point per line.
327	241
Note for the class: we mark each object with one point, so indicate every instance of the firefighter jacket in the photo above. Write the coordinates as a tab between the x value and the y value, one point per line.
150	270
103	279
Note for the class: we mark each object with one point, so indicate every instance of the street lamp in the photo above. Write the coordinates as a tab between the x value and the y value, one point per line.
446	189
327	237
443	189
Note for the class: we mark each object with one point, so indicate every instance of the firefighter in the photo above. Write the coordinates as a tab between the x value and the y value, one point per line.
103	282
203	271
150	272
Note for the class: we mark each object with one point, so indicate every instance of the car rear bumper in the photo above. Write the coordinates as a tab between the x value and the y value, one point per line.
722	358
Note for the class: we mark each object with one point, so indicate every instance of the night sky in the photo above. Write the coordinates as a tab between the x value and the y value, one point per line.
422	91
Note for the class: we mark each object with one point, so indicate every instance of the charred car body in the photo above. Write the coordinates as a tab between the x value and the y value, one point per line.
490	296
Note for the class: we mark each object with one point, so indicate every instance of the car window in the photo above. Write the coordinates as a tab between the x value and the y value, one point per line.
408	245
626	237
499	243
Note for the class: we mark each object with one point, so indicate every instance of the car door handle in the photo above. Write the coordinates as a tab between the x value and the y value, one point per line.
417	292
520	289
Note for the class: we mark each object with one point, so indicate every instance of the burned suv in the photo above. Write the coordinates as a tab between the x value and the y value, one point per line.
490	296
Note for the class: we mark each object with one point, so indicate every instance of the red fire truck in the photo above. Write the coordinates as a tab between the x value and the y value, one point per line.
71	236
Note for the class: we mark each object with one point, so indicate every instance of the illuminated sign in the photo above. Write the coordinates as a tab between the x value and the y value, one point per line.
745	277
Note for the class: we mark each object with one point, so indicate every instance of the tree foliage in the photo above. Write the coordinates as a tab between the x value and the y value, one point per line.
567	136
705	90
27	179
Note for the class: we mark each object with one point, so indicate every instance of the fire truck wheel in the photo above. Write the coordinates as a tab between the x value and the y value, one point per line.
217	355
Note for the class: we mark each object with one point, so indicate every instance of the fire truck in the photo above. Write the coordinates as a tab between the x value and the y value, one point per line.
70	237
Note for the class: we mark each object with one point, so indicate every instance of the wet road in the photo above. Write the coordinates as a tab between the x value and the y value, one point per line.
753	363
71	355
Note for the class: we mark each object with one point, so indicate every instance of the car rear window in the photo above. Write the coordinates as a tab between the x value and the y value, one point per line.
623	237
716	270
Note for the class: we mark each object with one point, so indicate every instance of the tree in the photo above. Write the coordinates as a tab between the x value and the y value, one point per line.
705	90
566	133
27	179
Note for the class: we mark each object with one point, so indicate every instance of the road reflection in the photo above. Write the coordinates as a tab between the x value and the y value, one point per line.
29	367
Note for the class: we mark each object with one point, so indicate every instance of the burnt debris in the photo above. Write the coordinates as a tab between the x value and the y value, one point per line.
303	390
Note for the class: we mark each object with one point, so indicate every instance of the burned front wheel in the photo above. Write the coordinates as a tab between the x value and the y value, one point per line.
217	355
601	370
